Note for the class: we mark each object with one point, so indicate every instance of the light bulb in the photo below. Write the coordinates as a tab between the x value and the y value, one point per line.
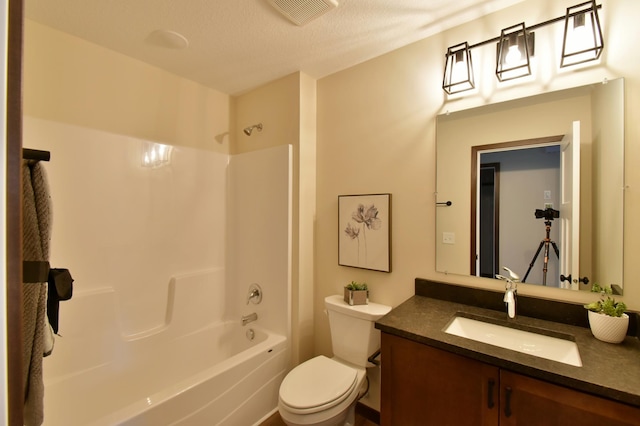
578	39
513	57
459	72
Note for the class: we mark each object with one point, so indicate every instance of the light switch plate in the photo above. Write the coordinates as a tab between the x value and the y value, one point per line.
448	238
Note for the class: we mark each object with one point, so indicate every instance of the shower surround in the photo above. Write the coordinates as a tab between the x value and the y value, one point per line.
163	255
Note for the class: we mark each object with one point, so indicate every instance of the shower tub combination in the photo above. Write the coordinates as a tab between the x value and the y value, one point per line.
133	352
215	374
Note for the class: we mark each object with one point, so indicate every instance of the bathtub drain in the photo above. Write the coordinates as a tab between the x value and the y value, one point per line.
250	334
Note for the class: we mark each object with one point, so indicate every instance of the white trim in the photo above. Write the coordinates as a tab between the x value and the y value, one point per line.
4	411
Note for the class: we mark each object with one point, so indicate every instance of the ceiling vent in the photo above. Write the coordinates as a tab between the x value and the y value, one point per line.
302	11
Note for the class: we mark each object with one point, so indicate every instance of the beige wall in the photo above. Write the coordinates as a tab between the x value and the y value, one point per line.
71	81
376	133
287	110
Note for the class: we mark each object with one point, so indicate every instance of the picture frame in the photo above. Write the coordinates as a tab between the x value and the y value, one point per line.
364	231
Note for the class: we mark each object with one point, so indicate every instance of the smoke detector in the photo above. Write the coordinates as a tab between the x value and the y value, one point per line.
301	12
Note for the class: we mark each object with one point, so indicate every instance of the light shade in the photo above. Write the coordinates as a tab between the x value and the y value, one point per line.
515	49
458	70
582	35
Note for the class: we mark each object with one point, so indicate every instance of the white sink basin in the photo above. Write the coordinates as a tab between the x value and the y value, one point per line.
540	345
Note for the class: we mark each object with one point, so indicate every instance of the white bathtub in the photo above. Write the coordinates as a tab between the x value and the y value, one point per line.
212	376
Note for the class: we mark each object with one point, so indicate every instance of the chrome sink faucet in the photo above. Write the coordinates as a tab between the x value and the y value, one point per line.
511	284
510	302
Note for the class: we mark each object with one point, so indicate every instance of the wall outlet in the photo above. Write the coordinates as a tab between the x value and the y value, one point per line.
448	237
547	195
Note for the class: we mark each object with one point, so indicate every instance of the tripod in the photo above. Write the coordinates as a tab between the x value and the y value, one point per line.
544	243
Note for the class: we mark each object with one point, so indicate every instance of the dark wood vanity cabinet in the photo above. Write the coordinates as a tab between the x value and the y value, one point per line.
423	386
534	402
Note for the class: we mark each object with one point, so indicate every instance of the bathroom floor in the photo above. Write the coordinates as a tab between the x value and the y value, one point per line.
276	420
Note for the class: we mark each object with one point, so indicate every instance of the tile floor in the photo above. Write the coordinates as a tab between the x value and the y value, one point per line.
276	420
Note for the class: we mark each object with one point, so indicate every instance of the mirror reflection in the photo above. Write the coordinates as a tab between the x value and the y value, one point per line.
536	185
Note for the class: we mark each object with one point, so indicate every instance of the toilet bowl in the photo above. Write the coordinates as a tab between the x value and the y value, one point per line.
320	392
323	391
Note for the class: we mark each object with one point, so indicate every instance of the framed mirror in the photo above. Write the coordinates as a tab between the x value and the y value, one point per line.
536	185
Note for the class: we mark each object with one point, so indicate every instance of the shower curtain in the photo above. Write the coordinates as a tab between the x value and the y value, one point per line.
36	217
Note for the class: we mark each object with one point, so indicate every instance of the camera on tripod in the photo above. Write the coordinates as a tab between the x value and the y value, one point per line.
548	213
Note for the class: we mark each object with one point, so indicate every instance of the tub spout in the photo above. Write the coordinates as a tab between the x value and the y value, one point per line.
246	319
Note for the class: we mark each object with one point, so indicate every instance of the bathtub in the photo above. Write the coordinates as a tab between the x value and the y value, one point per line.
212	376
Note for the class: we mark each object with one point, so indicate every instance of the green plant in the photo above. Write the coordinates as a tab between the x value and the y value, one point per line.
353	285
606	305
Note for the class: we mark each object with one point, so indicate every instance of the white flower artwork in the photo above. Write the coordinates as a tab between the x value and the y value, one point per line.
364	231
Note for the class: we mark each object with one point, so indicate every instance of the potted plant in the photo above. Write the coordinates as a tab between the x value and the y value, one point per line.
607	319
356	293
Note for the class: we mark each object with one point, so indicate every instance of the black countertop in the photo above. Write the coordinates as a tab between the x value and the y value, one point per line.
608	370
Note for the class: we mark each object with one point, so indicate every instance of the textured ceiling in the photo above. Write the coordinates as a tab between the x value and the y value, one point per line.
237	45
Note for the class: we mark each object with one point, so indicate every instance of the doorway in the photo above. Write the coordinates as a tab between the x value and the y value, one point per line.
510	181
489	205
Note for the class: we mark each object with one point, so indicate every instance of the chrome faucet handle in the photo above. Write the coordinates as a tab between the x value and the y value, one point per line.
513	277
511	282
255	294
508	284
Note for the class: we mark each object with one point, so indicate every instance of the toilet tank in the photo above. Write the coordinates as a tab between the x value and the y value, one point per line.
353	335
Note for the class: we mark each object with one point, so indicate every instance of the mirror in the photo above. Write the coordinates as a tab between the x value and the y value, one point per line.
504	169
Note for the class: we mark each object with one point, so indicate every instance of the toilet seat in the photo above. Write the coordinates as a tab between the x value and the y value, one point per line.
316	385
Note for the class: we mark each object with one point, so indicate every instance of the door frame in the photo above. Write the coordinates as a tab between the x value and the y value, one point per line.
496	214
13	220
476	151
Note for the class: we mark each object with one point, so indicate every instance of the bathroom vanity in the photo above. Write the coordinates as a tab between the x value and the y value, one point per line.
430	376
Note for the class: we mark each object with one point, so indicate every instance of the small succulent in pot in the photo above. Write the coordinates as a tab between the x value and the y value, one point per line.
356	286
606	305
607	319
356	293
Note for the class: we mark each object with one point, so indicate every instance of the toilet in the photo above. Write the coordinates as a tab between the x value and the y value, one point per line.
323	391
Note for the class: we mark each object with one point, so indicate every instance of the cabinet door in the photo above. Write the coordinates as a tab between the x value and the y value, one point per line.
531	402
423	386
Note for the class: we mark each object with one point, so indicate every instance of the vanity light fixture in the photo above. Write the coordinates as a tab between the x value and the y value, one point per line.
582	18
582	40
514	53
458	71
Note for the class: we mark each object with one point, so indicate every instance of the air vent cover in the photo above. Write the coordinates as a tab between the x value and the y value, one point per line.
302	11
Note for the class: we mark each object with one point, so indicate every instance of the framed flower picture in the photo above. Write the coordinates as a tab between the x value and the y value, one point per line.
364	231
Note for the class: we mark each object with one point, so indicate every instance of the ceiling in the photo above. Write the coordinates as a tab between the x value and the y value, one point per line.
237	45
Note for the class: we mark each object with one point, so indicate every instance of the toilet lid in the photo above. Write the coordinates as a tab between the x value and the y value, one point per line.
317	382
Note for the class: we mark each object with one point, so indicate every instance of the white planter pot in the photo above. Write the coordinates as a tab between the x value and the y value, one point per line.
608	329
